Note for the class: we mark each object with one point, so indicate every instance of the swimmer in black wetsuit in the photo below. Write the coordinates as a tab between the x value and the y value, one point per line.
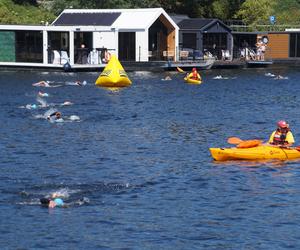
55	115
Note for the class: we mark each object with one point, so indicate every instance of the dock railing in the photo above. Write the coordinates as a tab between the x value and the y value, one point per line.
263	28
251	54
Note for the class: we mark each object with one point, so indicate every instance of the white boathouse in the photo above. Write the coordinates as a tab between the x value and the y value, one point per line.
83	38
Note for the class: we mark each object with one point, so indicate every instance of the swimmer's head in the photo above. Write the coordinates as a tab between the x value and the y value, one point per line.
57	115
45	201
59	202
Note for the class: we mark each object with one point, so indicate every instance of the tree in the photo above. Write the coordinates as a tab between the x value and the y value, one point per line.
254	12
287	12
24	2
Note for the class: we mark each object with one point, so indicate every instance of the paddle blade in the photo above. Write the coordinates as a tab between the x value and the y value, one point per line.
234	140
180	70
249	144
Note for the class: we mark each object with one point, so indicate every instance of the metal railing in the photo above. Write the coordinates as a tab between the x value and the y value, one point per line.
263	28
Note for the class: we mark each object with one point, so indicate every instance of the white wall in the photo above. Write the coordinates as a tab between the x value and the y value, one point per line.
107	40
141	40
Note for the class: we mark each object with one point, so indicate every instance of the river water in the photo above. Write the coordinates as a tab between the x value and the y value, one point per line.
136	168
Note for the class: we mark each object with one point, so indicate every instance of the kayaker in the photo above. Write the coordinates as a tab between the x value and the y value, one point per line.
194	75
282	135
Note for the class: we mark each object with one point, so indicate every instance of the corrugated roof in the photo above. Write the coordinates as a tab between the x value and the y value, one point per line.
96	19
194	23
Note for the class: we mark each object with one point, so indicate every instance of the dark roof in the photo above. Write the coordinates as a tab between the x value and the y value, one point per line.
101	19
178	18
194	23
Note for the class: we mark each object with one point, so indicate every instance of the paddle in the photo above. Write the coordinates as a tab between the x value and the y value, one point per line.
244	143
180	70
234	140
253	143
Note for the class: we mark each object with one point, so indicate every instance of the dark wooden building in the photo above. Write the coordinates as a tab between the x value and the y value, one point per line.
205	35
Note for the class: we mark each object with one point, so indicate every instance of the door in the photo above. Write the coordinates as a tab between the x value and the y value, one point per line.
127	46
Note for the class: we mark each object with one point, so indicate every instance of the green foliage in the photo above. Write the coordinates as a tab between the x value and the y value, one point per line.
24	2
11	13
287	12
254	12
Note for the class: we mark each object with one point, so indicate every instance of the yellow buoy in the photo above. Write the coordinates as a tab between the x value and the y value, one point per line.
113	75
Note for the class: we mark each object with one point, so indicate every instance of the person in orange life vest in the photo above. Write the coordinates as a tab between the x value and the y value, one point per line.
194	75
282	135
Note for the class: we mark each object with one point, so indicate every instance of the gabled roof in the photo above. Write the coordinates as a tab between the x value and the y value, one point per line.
194	23
199	24
96	19
128	18
178	18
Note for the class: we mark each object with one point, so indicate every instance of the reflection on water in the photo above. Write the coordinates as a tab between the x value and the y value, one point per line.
140	155
253	164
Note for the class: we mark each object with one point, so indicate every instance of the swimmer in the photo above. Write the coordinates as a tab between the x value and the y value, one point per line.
74	118
45	84
280	77
55	116
269	74
218	77
52	203
67	103
30	106
41	84
58	202
41	94
42	102
76	83
167	78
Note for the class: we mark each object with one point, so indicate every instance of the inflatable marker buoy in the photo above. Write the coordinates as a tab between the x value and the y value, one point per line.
113	75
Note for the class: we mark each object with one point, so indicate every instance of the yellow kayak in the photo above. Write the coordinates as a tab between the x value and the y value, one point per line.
262	152
193	81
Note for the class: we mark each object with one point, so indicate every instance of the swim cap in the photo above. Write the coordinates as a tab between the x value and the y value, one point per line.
59	202
193	69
